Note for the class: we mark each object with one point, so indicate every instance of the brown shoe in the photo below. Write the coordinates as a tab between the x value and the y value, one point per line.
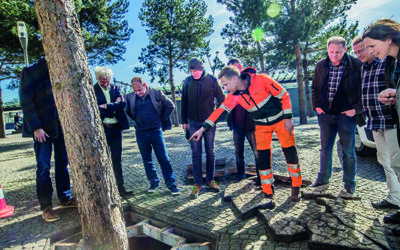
49	215
69	204
295	194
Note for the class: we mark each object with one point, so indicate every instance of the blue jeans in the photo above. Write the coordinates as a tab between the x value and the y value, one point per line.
238	139
114	142
44	187
196	146
345	127
154	140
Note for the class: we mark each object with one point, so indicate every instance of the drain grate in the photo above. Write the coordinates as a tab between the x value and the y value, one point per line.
175	237
147	234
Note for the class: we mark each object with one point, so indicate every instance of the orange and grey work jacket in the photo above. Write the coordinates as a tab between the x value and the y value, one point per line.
265	99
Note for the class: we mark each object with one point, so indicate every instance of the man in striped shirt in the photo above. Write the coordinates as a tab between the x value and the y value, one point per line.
380	121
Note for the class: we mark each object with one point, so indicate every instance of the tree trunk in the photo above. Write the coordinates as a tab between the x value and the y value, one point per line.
99	203
300	77
300	85
310	110
171	82
2	123
260	56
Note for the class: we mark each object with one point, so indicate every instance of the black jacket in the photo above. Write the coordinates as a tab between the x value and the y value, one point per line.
114	109
37	101
351	79
161	103
198	98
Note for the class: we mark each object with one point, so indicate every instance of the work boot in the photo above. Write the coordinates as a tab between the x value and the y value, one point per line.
295	194
270	196
392	218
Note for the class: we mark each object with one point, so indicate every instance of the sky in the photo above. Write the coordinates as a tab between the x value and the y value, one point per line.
365	11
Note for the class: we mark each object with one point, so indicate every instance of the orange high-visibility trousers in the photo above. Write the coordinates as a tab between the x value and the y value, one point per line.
263	141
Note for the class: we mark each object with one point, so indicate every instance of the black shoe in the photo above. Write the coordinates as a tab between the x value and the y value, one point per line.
124	194
392	218
384	204
350	190
396	232
317	184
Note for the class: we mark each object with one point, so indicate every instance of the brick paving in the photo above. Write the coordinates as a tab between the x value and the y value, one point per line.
209	214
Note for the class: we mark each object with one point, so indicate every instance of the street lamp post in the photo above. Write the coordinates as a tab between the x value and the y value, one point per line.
23	38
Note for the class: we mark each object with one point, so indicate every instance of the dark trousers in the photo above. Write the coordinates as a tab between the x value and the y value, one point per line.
239	134
44	187
196	146
345	127
154	140
114	141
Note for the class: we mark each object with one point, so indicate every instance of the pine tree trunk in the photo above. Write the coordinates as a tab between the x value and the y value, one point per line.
94	184
300	85
300	77
2	123
171	83
310	110
260	56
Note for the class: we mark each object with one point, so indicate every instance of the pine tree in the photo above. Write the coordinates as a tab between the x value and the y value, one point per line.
104	28
177	30
99	204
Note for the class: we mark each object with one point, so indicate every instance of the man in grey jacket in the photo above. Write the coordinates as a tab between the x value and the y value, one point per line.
150	109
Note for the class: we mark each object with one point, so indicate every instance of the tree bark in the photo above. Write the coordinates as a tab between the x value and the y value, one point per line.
2	123
260	56
99	203
310	110
300	85
171	83
300	77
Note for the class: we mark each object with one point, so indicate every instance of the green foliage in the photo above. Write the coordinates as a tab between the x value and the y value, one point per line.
177	30
11	53
306	22
248	15
310	23
104	29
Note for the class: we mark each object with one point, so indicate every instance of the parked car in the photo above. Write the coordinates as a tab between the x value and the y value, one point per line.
365	144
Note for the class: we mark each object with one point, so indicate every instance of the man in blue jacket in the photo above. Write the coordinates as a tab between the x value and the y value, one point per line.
41	122
111	105
150	109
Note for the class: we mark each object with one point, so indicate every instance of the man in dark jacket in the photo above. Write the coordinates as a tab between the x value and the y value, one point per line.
111	105
336	96
150	109
41	122
198	102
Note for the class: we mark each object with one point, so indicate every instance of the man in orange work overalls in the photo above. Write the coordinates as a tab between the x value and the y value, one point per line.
269	105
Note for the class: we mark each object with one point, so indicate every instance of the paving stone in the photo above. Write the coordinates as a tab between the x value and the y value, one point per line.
207	214
288	220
